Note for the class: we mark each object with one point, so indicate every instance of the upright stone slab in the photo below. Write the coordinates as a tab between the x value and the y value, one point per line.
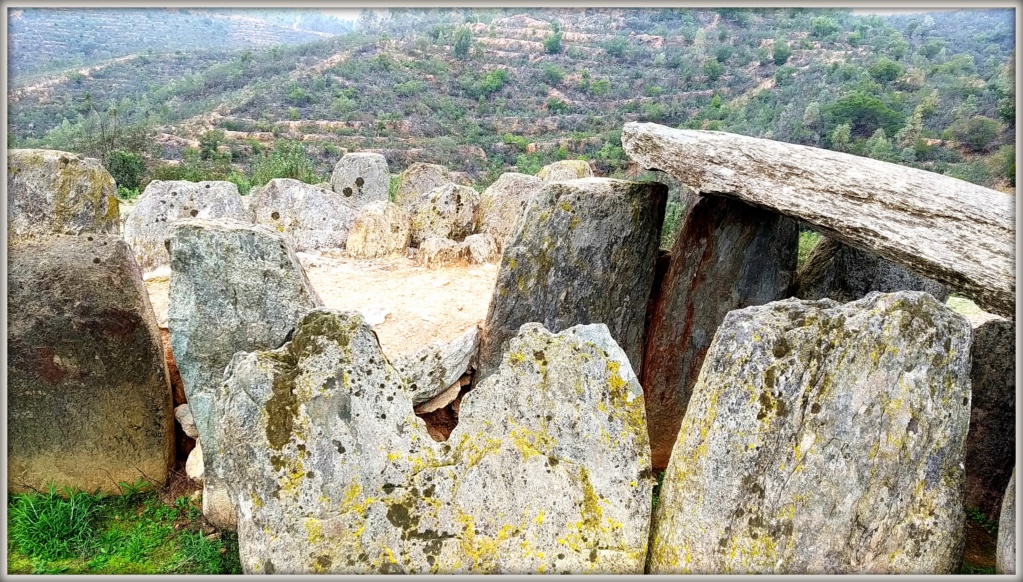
948	229
88	396
309	217
565	170
1005	554
584	252
381	228
52	192
164	203
449	211
727	255
234	287
823	439
361	178
433	368
332	473
503	202
420	178
838	271
991	444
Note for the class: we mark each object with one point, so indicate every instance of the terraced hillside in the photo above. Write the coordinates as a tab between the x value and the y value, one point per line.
485	91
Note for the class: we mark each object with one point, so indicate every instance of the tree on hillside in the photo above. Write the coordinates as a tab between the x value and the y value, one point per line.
885	70
781	52
864	113
976	134
552	44
463	42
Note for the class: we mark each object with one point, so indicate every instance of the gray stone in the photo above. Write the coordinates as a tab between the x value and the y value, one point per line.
565	170
332	472
380	229
435	367
183	414
1005	554
88	395
195	467
991	445
823	438
843	273
307	216
418	179
584	252
727	255
502	203
482	248
440	252
448	211
164	203
937	226
52	192
234	287
361	178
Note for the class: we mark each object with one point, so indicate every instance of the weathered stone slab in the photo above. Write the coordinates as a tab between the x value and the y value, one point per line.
361	178
502	203
448	211
991	445
433	368
234	287
823	439
565	170
164	203
482	248
838	271
307	216
332	472
380	229
584	252
436	251
1005	554
420	178
88	396
943	228
727	255
52	192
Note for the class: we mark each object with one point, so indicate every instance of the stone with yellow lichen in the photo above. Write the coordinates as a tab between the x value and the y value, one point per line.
823	439
448	211
50	192
307	216
565	170
332	472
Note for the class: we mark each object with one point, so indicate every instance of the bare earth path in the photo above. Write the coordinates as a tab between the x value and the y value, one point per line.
418	305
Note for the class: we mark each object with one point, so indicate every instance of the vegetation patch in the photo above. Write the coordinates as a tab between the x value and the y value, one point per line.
66	531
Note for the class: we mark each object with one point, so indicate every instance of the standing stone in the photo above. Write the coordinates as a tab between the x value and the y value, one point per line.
1005	555
381	228
433	368
234	287
838	271
503	202
361	178
565	170
482	248
448	211
89	401
331	472
823	439
307	216
420	178
440	252
991	445
164	203
584	252
728	255
51	192
938	226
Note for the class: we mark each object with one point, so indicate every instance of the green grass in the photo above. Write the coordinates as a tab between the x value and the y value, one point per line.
64	531
807	241
977	516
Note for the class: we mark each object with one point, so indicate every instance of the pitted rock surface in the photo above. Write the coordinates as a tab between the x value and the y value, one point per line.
360	178
420	178
380	229
503	202
309	217
448	211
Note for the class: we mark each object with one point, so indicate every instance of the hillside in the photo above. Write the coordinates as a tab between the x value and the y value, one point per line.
486	91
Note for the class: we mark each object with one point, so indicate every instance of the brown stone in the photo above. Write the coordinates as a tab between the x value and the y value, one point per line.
728	255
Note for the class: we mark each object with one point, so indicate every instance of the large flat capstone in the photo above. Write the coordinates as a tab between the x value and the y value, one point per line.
936	226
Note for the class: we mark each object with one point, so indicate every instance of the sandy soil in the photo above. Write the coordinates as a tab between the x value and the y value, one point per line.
417	305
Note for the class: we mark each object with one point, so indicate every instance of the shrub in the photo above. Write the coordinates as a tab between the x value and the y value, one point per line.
553	75
781	53
713	69
616	46
885	70
125	167
463	42
977	133
552	44
288	159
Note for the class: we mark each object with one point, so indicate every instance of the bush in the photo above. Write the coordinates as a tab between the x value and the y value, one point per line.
781	53
553	75
616	46
287	160
463	42
976	134
552	44
713	69
125	167
885	70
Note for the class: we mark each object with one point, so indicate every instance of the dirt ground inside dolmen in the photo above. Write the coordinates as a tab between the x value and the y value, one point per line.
408	305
